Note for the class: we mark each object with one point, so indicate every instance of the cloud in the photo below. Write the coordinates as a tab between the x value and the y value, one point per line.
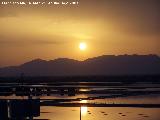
17	40
132	17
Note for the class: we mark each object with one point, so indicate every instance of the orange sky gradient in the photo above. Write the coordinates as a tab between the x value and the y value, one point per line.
107	26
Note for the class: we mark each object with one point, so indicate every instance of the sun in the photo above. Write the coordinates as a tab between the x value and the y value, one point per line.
82	46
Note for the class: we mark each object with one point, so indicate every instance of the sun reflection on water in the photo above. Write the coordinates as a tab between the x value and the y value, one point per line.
84	109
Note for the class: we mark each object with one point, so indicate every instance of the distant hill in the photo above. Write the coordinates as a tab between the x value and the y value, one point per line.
102	65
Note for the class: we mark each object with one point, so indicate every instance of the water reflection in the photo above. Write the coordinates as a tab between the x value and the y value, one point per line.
84	90
99	113
83	101
84	110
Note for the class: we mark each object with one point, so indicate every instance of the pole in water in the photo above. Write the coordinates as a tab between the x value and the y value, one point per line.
80	112
30	118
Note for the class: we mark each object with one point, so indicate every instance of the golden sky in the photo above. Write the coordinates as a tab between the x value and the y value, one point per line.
106	26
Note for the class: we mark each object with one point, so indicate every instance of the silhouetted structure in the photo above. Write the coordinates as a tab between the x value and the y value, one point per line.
19	109
3	110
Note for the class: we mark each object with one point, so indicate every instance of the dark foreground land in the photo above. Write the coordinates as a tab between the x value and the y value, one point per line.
101	87
96	79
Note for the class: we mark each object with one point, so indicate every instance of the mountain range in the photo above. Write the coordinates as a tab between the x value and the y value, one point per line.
101	65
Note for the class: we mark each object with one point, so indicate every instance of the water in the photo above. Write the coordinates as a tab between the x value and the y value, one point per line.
103	113
90	113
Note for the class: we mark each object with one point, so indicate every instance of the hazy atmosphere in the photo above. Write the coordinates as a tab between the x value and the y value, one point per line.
105	26
79	59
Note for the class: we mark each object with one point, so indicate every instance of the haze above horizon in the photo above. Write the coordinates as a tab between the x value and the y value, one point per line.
106	27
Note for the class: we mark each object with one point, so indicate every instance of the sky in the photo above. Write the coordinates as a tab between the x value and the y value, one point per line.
107	27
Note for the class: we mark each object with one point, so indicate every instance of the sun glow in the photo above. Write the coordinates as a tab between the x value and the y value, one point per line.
82	46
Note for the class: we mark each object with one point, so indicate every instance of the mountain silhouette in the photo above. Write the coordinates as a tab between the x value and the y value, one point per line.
102	65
